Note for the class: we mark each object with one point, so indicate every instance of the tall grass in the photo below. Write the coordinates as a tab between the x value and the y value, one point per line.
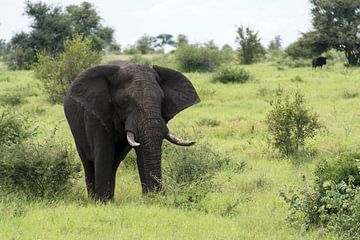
243	203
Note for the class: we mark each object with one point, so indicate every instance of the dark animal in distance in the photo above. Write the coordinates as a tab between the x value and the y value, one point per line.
115	107
318	62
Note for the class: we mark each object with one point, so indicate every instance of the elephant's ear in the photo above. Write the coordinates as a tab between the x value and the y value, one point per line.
91	89
179	93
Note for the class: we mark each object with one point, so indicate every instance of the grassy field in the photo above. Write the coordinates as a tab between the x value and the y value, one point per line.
238	112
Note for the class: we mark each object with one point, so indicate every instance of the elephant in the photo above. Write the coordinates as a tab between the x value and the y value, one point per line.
113	108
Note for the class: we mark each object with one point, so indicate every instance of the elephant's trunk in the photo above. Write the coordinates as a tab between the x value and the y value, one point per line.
149	153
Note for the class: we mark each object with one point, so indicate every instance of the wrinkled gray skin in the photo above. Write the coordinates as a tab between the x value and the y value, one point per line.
106	103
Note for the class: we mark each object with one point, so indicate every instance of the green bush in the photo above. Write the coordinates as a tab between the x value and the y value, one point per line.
37	170
189	173
12	99
294	63
348	94
131	50
57	73
139	59
231	74
192	58
14	127
209	122
297	78
20	58
333	200
290	122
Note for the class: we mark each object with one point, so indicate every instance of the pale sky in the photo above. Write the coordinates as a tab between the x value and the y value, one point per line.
200	20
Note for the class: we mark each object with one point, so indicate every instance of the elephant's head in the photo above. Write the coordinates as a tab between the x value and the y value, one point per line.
135	102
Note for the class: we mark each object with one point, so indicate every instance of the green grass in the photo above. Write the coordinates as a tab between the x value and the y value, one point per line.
231	118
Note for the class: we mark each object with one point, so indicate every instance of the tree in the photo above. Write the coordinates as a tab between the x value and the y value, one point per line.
275	44
250	48
51	26
336	22
226	47
181	39
309	45
211	45
22	53
3	47
57	72
165	39
145	44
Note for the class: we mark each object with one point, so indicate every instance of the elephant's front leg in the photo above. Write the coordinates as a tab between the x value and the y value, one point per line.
104	156
104	180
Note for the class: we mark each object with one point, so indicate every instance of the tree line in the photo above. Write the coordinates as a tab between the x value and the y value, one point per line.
335	25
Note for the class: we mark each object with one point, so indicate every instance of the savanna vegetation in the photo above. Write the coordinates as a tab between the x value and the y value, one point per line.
230	185
277	153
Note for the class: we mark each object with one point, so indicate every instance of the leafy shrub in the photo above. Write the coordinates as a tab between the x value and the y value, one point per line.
131	50
139	59
20	58
37	170
188	174
297	78
12	99
348	94
333	201
58	72
231	74
290	122
192	58
14	127
208	122
294	63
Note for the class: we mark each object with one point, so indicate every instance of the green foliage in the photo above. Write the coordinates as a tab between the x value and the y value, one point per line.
37	170
21	55
12	99
192	58
57	73
139	59
293	62
333	201
250	49
209	122
165	39
309	45
181	39
231	74
275	44
290	122
14	127
51	26
337	23
297	78
189	174
145	44
348	94
131	50
4	47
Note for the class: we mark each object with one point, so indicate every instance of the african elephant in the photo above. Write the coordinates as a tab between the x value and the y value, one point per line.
113	108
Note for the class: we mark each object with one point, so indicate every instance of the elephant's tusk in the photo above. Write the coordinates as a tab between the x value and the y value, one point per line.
131	140
171	138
